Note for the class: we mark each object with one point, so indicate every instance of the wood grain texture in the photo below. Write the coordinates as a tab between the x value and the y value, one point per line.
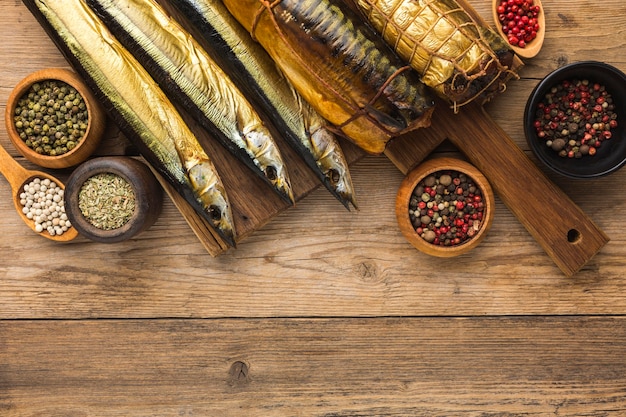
570	366
320	312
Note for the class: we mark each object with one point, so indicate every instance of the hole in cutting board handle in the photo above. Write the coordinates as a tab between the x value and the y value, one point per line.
573	236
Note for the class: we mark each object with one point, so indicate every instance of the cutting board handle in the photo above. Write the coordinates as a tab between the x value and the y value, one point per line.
564	231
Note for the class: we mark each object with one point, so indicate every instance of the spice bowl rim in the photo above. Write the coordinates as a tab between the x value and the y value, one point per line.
611	156
420	172
148	197
96	121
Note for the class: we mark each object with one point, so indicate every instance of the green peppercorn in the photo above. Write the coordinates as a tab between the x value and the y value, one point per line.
47	108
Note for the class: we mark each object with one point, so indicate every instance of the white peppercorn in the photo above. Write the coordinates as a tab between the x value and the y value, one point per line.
42	201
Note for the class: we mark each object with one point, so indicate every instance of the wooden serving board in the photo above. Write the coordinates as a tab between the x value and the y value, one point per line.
564	231
568	236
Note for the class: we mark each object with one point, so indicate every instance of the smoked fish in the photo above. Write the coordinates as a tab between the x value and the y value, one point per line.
138	106
256	74
341	66
188	75
462	59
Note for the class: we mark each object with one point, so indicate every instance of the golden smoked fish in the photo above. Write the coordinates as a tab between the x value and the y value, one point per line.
460	58
137	104
257	75
340	66
191	77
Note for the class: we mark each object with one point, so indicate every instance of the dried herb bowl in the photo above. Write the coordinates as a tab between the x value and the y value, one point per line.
563	126
113	198
53	119
444	207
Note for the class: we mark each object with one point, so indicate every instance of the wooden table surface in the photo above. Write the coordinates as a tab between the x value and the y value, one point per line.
322	312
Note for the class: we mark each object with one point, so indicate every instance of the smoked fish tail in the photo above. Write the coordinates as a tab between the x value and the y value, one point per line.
257	75
138	106
192	78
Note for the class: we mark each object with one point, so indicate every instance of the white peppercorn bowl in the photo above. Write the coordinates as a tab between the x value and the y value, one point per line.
95	126
18	176
611	156
409	184
147	190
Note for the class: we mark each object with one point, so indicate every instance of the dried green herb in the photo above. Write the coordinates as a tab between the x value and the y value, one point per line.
107	201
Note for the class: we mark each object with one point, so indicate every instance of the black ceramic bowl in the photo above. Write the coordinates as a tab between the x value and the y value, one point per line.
611	155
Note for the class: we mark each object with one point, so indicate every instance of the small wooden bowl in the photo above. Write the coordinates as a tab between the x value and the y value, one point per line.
409	184
95	125
147	190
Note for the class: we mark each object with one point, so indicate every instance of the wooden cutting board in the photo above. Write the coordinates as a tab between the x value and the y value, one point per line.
564	231
567	234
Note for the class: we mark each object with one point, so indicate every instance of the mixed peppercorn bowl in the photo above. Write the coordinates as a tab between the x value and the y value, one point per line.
444	207
575	120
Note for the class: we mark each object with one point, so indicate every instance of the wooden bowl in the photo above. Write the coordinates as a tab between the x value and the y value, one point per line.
95	125
405	193
146	188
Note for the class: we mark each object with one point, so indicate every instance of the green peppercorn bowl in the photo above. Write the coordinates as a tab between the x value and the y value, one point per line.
408	197
59	130
564	147
147	198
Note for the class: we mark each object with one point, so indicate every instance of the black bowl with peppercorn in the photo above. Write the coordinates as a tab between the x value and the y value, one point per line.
53	119
575	120
444	207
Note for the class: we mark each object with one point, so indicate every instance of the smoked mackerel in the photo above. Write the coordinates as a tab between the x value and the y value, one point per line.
256	74
189	76
341	66
140	108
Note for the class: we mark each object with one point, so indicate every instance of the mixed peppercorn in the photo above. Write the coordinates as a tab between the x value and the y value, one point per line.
51	117
446	208
575	117
519	21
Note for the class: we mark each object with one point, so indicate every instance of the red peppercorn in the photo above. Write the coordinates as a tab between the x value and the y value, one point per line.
518	19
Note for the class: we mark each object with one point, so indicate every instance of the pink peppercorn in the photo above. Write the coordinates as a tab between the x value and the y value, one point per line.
519	21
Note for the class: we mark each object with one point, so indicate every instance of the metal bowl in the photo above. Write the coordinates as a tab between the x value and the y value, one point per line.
611	155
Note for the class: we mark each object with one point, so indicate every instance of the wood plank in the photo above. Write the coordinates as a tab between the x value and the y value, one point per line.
314	260
392	367
317	258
